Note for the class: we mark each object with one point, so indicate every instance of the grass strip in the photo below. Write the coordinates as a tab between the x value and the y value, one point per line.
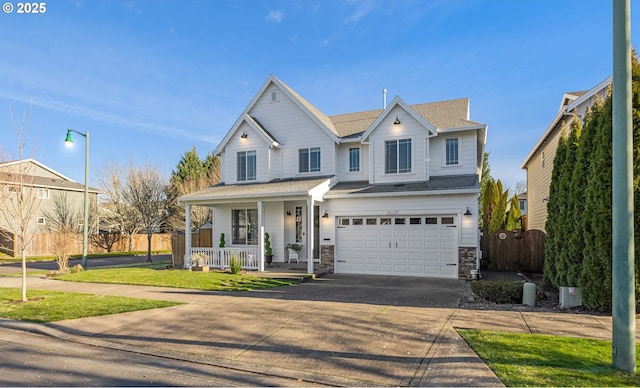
210	281
6	259
50	306
544	360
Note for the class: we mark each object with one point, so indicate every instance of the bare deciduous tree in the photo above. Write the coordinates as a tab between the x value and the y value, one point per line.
63	228
200	215
116	213
145	189
21	202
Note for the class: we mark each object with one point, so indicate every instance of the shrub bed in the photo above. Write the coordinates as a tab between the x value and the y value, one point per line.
498	291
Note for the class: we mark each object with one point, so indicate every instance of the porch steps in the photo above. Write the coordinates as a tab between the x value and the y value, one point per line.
291	273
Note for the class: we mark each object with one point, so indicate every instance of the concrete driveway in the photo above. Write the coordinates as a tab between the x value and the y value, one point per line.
375	290
338	330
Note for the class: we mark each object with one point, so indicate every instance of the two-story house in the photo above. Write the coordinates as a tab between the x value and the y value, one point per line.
392	191
539	162
44	186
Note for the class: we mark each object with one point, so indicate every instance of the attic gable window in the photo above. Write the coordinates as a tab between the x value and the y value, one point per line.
309	159
246	166
397	156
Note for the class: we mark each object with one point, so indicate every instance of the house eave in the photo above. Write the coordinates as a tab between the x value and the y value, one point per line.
403	193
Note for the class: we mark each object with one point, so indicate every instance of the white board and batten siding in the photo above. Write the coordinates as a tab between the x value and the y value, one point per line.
467	152
343	173
307	133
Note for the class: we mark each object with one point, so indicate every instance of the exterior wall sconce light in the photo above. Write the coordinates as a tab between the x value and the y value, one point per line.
468	212
325	215
244	135
397	122
288	213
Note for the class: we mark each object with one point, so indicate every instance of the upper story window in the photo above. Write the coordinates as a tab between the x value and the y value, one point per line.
451	152
523	205
246	166
354	159
397	156
43	193
309	159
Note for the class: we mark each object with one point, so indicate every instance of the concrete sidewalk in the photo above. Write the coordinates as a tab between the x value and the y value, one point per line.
337	341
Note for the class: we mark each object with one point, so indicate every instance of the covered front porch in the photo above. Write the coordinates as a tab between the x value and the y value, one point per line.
291	212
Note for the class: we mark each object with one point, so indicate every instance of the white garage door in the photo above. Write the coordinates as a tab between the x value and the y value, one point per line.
397	245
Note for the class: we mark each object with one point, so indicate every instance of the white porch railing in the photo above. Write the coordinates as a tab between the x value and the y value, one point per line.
221	257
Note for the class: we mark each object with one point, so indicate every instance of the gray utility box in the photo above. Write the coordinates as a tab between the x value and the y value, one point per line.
570	297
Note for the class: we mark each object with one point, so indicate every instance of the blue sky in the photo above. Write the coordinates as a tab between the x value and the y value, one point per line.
150	79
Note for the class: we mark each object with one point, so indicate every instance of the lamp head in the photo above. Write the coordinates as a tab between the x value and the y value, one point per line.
68	141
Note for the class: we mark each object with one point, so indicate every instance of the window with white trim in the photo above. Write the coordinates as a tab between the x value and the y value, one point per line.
451	151
244	226
246	166
309	159
397	156
43	193
40	221
354	159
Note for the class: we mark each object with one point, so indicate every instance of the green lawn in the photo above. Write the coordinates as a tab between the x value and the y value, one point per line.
48	306
211	281
543	360
4	258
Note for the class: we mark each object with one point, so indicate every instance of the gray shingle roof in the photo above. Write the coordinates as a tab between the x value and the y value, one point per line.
46	182
436	183
441	114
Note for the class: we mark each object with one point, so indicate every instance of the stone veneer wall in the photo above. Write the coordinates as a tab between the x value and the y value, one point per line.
467	260
326	257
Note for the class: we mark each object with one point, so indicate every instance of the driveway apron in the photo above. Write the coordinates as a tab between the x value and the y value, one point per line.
339	330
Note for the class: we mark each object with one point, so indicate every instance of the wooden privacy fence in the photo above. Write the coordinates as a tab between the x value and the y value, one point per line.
41	245
506	250
201	240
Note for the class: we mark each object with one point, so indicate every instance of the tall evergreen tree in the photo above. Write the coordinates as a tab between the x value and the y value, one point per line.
485	183
553	224
191	174
499	212
513	215
595	278
565	204
575	238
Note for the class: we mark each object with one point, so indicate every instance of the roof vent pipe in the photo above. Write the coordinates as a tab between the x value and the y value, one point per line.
384	98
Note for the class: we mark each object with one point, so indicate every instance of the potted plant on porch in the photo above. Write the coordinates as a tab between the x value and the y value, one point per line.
268	252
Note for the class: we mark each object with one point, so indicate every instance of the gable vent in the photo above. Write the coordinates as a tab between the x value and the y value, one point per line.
274	96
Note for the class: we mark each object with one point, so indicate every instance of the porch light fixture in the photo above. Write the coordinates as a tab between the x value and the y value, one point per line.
244	135
468	212
325	215
288	213
397	122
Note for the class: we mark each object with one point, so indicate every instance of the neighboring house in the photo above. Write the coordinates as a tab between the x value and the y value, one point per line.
45	184
539	162
392	191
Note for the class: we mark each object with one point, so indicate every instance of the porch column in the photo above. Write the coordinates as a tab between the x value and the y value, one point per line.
187	233
213	230
260	237
310	241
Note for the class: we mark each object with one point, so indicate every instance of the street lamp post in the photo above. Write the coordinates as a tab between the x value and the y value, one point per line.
85	225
